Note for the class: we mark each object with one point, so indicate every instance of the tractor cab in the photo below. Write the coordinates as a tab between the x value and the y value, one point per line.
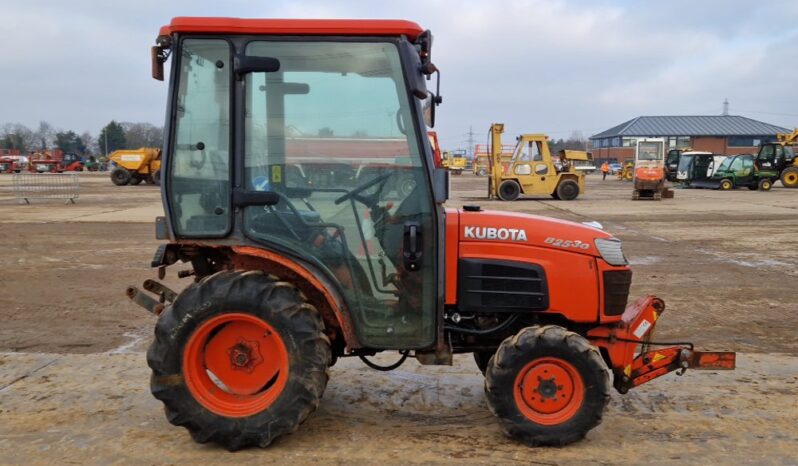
312	145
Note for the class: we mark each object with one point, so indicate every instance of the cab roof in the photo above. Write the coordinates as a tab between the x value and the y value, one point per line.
303	27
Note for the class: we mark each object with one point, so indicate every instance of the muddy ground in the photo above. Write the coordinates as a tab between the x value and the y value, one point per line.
74	381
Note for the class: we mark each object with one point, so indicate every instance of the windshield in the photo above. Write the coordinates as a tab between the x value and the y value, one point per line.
649	150
726	164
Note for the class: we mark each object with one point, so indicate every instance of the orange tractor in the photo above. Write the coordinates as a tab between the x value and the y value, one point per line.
288	277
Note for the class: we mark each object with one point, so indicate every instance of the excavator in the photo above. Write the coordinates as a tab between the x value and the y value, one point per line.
780	156
533	170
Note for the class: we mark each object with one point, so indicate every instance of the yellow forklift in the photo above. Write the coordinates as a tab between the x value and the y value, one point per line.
533	170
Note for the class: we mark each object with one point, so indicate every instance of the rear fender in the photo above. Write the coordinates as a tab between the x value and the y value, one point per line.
319	293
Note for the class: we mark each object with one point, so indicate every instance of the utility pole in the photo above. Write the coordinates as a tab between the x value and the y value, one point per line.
471	141
105	133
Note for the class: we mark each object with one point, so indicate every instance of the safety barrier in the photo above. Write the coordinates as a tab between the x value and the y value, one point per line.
29	186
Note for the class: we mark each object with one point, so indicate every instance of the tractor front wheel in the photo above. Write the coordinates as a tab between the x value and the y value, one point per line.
547	386
789	177
765	184
482	358
239	359
120	176
726	185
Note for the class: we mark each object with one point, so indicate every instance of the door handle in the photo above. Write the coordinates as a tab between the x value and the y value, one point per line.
411	250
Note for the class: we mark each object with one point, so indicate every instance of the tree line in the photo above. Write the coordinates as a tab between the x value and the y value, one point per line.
113	136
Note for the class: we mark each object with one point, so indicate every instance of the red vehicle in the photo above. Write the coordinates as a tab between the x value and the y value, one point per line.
8	164
54	161
287	276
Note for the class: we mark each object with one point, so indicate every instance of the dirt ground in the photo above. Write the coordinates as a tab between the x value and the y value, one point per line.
74	381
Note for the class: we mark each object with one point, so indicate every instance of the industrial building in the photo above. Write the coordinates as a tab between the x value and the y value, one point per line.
721	134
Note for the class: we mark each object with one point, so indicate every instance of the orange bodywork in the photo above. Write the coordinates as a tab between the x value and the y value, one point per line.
297	27
649	174
575	262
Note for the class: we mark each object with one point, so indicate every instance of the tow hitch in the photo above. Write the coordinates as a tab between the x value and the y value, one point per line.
631	367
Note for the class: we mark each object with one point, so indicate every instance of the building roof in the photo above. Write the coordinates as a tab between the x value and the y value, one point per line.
305	27
706	125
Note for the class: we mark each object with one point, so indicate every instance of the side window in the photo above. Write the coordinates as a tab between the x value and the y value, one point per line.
737	165
748	165
200	171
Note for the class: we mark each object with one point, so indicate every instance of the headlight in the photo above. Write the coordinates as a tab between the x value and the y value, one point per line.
611	251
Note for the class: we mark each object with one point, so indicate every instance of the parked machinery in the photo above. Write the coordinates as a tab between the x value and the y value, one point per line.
480	164
627	171
649	170
738	171
136	165
454	161
672	163
288	278
780	156
532	170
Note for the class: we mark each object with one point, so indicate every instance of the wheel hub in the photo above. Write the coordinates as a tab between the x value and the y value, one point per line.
245	355
549	390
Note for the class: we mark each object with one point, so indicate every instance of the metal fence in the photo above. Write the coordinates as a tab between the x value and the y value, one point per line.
29	186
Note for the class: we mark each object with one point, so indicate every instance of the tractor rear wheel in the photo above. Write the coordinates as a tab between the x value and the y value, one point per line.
765	184
509	190
547	386
239	359
789	177
120	176
567	190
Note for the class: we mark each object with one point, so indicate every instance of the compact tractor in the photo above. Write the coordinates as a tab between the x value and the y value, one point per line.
779	156
532	169
289	277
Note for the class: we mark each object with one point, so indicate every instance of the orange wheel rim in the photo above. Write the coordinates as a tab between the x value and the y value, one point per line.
549	391
235	365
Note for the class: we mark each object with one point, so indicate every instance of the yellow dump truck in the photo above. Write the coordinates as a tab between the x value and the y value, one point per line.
454	162
132	166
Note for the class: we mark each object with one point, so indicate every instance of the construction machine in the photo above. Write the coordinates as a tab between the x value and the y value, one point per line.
672	162
649	170
780	156
136	165
627	171
532	170
455	162
287	278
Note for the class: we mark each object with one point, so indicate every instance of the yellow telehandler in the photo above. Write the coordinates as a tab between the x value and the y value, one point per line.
136	165
533	170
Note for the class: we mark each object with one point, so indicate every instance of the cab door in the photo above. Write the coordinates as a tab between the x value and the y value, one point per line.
333	135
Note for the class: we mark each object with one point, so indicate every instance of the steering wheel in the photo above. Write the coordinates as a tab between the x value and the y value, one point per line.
355	193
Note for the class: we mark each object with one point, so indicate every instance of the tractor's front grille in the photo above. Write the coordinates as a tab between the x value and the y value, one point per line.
616	291
501	286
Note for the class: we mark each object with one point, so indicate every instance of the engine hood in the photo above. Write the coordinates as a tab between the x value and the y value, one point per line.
532	230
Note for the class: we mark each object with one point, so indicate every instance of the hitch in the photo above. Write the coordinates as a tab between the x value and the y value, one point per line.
631	369
165	295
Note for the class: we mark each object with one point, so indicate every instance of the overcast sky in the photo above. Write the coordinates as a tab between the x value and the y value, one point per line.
553	66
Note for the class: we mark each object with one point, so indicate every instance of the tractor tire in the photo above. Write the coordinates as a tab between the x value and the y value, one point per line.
789	177
726	185
120	176
509	190
567	190
765	184
482	358
135	180
156	177
541	364
239	359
